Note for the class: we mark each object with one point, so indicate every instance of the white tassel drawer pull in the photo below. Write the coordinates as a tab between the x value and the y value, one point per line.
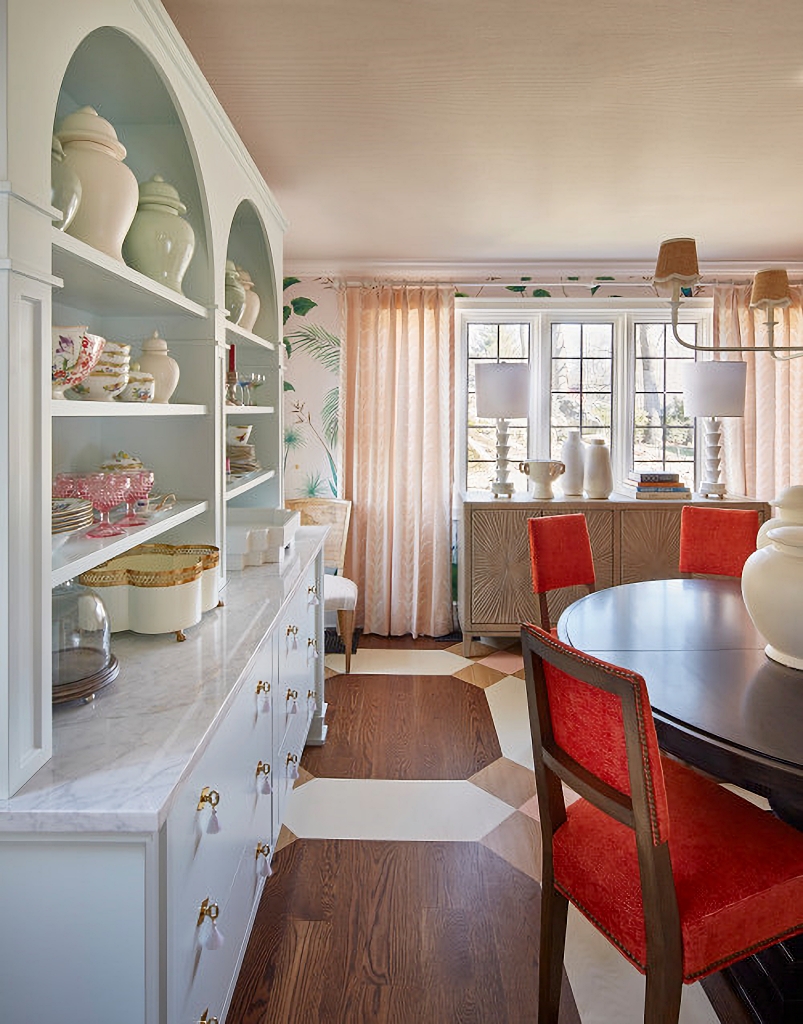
292	695
263	768
210	797
214	937
292	766
263	867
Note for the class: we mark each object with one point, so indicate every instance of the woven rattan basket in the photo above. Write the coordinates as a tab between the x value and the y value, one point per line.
157	588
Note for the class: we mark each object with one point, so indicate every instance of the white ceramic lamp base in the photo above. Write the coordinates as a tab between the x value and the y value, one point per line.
502	487
711	486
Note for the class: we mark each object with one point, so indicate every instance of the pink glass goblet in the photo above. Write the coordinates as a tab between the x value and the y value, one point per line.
67	485
140	482
106	491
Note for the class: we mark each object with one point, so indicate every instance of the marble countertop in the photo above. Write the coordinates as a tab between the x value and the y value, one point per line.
116	761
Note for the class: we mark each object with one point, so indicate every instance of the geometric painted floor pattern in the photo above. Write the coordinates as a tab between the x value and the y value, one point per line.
495	807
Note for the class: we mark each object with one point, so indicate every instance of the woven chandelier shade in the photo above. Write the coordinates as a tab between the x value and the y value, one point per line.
677	261
770	289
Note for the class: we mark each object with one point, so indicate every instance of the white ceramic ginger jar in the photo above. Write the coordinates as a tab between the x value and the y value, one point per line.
160	243
109	192
772	588
235	293
597	472
252	301
571	455
789	504
156	361
65	186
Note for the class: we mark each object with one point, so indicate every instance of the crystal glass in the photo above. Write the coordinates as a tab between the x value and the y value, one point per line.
106	491
139	486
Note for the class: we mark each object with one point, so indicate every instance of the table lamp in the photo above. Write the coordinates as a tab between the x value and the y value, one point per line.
712	390
502	393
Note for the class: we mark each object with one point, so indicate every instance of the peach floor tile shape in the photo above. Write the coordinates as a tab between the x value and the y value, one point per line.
508	781
506	662
303	776
479	675
518	840
285	838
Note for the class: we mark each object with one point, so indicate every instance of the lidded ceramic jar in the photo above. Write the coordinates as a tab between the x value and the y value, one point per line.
235	293
160	243
156	361
597	472
109	192
790	513
65	186
772	584
252	301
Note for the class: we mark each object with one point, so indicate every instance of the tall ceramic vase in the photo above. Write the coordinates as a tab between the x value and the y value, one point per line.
571	455
772	582
597	475
109	192
234	292
65	186
160	243
252	301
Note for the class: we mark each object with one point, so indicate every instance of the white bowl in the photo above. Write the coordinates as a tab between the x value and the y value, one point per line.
141	387
101	386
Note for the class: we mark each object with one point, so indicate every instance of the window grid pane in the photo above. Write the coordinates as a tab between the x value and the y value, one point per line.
663	436
582	381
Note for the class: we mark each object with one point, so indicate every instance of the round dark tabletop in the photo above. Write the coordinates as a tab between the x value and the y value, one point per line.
718	700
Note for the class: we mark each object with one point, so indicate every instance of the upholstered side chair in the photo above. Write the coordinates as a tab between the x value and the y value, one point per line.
560	556
716	541
339	593
681	875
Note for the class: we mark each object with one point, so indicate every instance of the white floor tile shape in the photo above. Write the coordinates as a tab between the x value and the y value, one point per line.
507	700
400	662
440	811
608	989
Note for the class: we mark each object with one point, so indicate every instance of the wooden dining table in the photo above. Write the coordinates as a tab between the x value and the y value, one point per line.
721	704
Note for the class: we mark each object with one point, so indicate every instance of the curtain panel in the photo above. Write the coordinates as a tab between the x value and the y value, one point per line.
763	451
397	401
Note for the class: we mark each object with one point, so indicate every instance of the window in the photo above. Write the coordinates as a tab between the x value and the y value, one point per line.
608	368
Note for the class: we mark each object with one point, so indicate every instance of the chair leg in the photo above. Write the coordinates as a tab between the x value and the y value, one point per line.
662	996
345	623
554	910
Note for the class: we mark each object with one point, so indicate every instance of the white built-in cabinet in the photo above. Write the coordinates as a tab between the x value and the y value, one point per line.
105	862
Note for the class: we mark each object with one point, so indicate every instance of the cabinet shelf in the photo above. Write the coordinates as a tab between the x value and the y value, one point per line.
248	410
240	334
80	554
248	483
93	280
115	409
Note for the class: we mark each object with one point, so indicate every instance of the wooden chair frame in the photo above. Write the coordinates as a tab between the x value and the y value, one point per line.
552	767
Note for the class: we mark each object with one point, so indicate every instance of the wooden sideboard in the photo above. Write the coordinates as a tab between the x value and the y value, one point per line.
631	540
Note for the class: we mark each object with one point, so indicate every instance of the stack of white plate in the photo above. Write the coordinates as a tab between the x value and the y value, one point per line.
69	515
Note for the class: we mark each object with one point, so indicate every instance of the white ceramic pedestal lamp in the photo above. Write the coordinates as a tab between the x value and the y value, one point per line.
502	393
712	390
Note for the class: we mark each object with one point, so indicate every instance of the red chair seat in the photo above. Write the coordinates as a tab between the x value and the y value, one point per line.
727	908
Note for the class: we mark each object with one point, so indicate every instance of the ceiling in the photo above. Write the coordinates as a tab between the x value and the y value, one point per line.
487	131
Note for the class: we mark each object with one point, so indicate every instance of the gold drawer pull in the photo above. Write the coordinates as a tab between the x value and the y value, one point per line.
263	695
293	696
292	766
264	868
214	938
291	638
312	700
211	797
205	1019
263	768
312	649
312	596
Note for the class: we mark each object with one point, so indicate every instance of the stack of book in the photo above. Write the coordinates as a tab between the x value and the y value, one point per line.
658	486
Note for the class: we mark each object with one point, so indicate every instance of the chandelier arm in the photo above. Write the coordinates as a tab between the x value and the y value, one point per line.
772	348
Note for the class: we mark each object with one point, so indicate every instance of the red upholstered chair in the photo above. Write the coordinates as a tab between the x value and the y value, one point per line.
681	875
716	541
560	556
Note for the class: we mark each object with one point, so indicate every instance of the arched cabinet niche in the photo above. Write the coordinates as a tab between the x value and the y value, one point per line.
254	377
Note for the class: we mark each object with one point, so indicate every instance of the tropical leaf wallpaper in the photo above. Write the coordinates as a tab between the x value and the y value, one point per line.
311	388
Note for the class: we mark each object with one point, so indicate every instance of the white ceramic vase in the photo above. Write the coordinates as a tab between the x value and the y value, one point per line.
571	455
109	192
772	583
789	504
252	301
156	361
235	293
597	472
541	473
160	243
65	186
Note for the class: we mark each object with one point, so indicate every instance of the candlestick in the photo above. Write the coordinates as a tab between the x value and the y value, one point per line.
232	365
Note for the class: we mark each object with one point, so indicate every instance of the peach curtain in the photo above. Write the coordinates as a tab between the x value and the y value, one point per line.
397	400
764	451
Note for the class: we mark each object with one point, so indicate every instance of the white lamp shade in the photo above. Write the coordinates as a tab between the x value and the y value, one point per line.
503	390
714	388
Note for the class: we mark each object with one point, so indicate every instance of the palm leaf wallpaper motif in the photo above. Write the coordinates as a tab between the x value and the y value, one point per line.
311	422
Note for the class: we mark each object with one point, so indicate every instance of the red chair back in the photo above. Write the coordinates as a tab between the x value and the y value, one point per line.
716	541
560	556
